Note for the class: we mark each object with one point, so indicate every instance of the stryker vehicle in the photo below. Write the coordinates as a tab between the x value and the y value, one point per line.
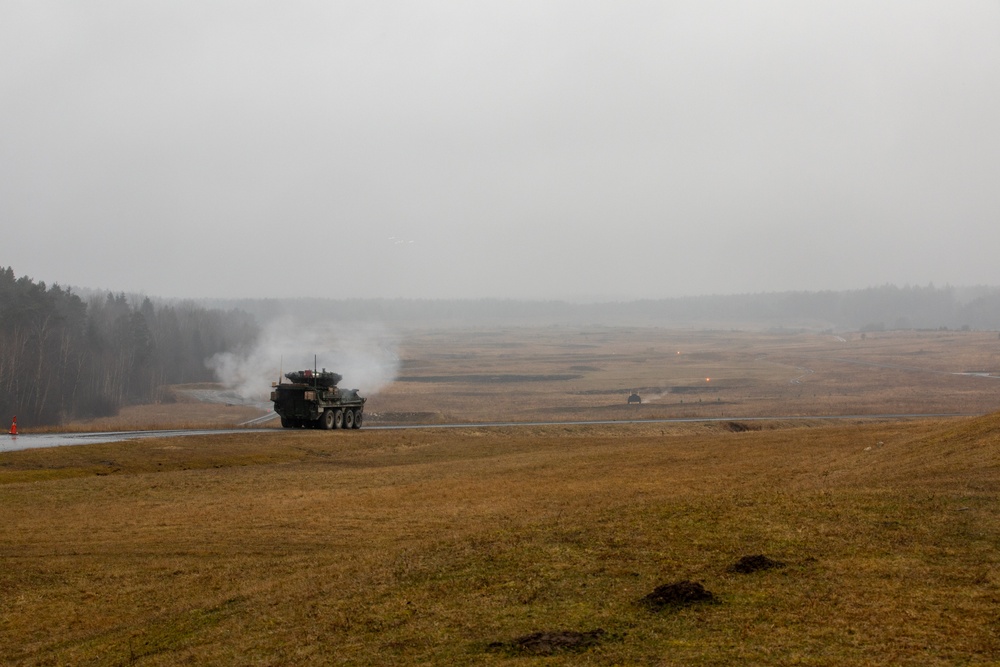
313	400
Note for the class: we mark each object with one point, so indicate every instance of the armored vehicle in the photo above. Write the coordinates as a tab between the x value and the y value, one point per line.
312	399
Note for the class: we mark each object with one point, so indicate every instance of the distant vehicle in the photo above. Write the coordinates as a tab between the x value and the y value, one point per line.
312	399
634	398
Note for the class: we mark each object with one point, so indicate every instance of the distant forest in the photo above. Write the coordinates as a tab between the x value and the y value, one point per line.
64	358
874	309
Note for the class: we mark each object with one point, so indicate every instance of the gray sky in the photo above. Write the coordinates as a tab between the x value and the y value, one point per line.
577	150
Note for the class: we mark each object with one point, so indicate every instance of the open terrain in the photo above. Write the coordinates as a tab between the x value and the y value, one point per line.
590	544
571	374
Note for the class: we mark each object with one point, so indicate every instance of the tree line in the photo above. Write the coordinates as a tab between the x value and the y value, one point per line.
871	309
64	358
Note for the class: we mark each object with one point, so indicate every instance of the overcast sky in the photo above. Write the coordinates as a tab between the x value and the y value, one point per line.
570	150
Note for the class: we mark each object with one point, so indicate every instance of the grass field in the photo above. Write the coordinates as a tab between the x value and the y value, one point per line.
531	545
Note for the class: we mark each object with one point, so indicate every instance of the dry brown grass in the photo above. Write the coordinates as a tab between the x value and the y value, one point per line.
183	411
407	547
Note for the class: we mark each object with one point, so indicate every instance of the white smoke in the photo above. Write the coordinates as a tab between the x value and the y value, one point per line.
366	355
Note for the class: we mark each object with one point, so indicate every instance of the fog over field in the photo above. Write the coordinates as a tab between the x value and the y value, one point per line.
582	151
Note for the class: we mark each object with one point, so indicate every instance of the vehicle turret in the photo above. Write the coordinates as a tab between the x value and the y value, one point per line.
323	378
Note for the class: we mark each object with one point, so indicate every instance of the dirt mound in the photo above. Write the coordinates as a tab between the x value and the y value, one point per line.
548	643
749	564
742	427
677	594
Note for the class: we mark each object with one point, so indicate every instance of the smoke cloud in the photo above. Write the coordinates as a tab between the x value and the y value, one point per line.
366	355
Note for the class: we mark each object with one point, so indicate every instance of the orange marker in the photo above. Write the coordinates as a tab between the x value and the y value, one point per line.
13	426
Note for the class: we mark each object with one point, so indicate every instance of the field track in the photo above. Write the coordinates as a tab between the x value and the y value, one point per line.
36	441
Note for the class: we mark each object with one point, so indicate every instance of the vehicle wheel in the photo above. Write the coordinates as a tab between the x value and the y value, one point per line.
286	422
357	419
338	418
348	418
326	420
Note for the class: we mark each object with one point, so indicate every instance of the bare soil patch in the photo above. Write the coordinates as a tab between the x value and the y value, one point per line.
677	594
742	427
549	643
756	563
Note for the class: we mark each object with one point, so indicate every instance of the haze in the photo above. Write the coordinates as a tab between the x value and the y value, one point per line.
568	150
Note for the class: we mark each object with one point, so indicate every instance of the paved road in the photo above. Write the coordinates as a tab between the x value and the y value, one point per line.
10	443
